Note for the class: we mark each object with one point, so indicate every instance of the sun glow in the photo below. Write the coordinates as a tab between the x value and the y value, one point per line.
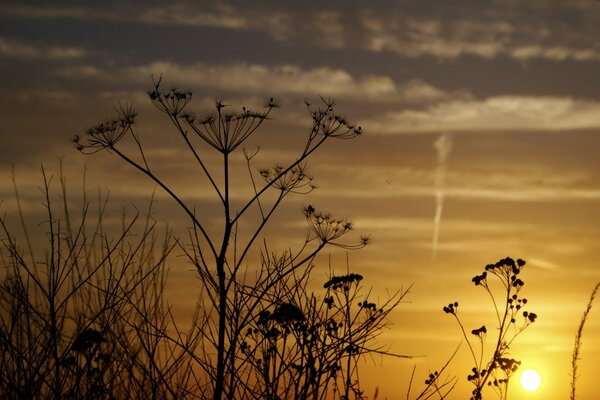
530	380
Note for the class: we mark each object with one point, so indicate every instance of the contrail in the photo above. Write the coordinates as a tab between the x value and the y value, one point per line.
443	146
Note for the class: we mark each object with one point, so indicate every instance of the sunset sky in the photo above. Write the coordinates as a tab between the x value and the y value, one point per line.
508	89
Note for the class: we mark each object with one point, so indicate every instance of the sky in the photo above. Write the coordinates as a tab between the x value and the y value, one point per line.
482	140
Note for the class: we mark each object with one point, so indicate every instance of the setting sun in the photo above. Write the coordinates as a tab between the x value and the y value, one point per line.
530	380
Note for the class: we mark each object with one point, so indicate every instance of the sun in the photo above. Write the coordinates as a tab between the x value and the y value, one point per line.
530	380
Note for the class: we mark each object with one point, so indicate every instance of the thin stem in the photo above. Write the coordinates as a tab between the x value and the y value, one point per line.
254	198
172	194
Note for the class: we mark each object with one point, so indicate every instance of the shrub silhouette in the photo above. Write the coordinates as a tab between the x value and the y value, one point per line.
76	321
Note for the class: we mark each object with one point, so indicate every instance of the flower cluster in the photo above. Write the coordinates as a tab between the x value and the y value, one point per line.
287	312
480	279
225	131
342	282
281	321
87	339
108	133
295	180
327	123
515	266
509	365
368	306
498	370
172	101
507	270
325	227
530	316
476	374
330	301
480	331
451	308
432	377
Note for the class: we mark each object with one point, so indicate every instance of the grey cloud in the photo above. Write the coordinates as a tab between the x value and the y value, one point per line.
17	49
277	80
521	31
496	113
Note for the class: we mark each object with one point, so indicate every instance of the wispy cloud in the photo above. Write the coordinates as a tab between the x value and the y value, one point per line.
286	79
415	37
542	264
27	11
487	32
493	114
422	226
275	80
502	184
220	15
403	31
224	16
17	49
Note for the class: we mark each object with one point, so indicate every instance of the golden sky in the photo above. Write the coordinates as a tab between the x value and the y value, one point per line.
481	119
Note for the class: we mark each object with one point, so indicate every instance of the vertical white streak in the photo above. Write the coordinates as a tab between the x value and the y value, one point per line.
443	146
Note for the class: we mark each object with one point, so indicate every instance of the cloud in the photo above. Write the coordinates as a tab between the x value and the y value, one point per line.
224	16
422	226
504	184
543	264
417	37
15	49
554	53
497	113
454	30
284	80
426	36
279	79
404	30
84	72
56	12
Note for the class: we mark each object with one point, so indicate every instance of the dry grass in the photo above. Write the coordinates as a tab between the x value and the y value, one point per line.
577	348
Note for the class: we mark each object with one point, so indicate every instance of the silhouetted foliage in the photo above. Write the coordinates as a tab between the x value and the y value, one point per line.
577	346
512	319
81	311
261	336
88	319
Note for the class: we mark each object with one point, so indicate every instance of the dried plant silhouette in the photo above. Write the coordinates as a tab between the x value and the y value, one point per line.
511	318
258	332
577	347
435	385
82	307
83	313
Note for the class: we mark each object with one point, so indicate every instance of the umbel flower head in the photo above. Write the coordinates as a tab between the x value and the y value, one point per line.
327	123
324	226
226	131
108	133
296	179
327	229
223	130
172	102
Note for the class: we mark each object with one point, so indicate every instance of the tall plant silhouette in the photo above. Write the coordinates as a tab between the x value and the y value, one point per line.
512	319
236	297
578	342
